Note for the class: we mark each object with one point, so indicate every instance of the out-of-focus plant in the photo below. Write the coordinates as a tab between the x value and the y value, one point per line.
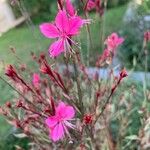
39	10
114	3
145	7
132	52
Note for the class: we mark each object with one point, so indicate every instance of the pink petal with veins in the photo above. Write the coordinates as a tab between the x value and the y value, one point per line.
69	7
75	23
49	30
57	132
56	48
51	122
62	21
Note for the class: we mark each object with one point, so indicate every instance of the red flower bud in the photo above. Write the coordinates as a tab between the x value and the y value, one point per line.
123	74
10	72
97	95
88	119
43	69
42	56
19	103
8	104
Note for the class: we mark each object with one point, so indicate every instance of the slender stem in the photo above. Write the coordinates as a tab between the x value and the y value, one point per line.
80	102
26	99
89	37
14	89
33	111
103	25
108	135
145	78
107	100
29	22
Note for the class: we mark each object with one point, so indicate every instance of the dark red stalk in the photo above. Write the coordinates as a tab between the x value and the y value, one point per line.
54	76
61	81
23	82
52	105
85	6
11	73
60	4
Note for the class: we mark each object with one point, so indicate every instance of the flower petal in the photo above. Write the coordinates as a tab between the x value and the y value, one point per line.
113	41
75	23
90	5
69	112
51	121
49	30
62	21
56	48
65	111
69	7
36	79
120	40
60	108
57	132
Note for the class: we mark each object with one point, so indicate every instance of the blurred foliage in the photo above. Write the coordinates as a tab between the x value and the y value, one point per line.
44	10
40	10
145	7
131	52
115	3
10	142
123	124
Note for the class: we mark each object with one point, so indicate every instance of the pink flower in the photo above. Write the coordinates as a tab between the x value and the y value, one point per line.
64	27
95	4
36	79
113	41
59	123
147	36
91	5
